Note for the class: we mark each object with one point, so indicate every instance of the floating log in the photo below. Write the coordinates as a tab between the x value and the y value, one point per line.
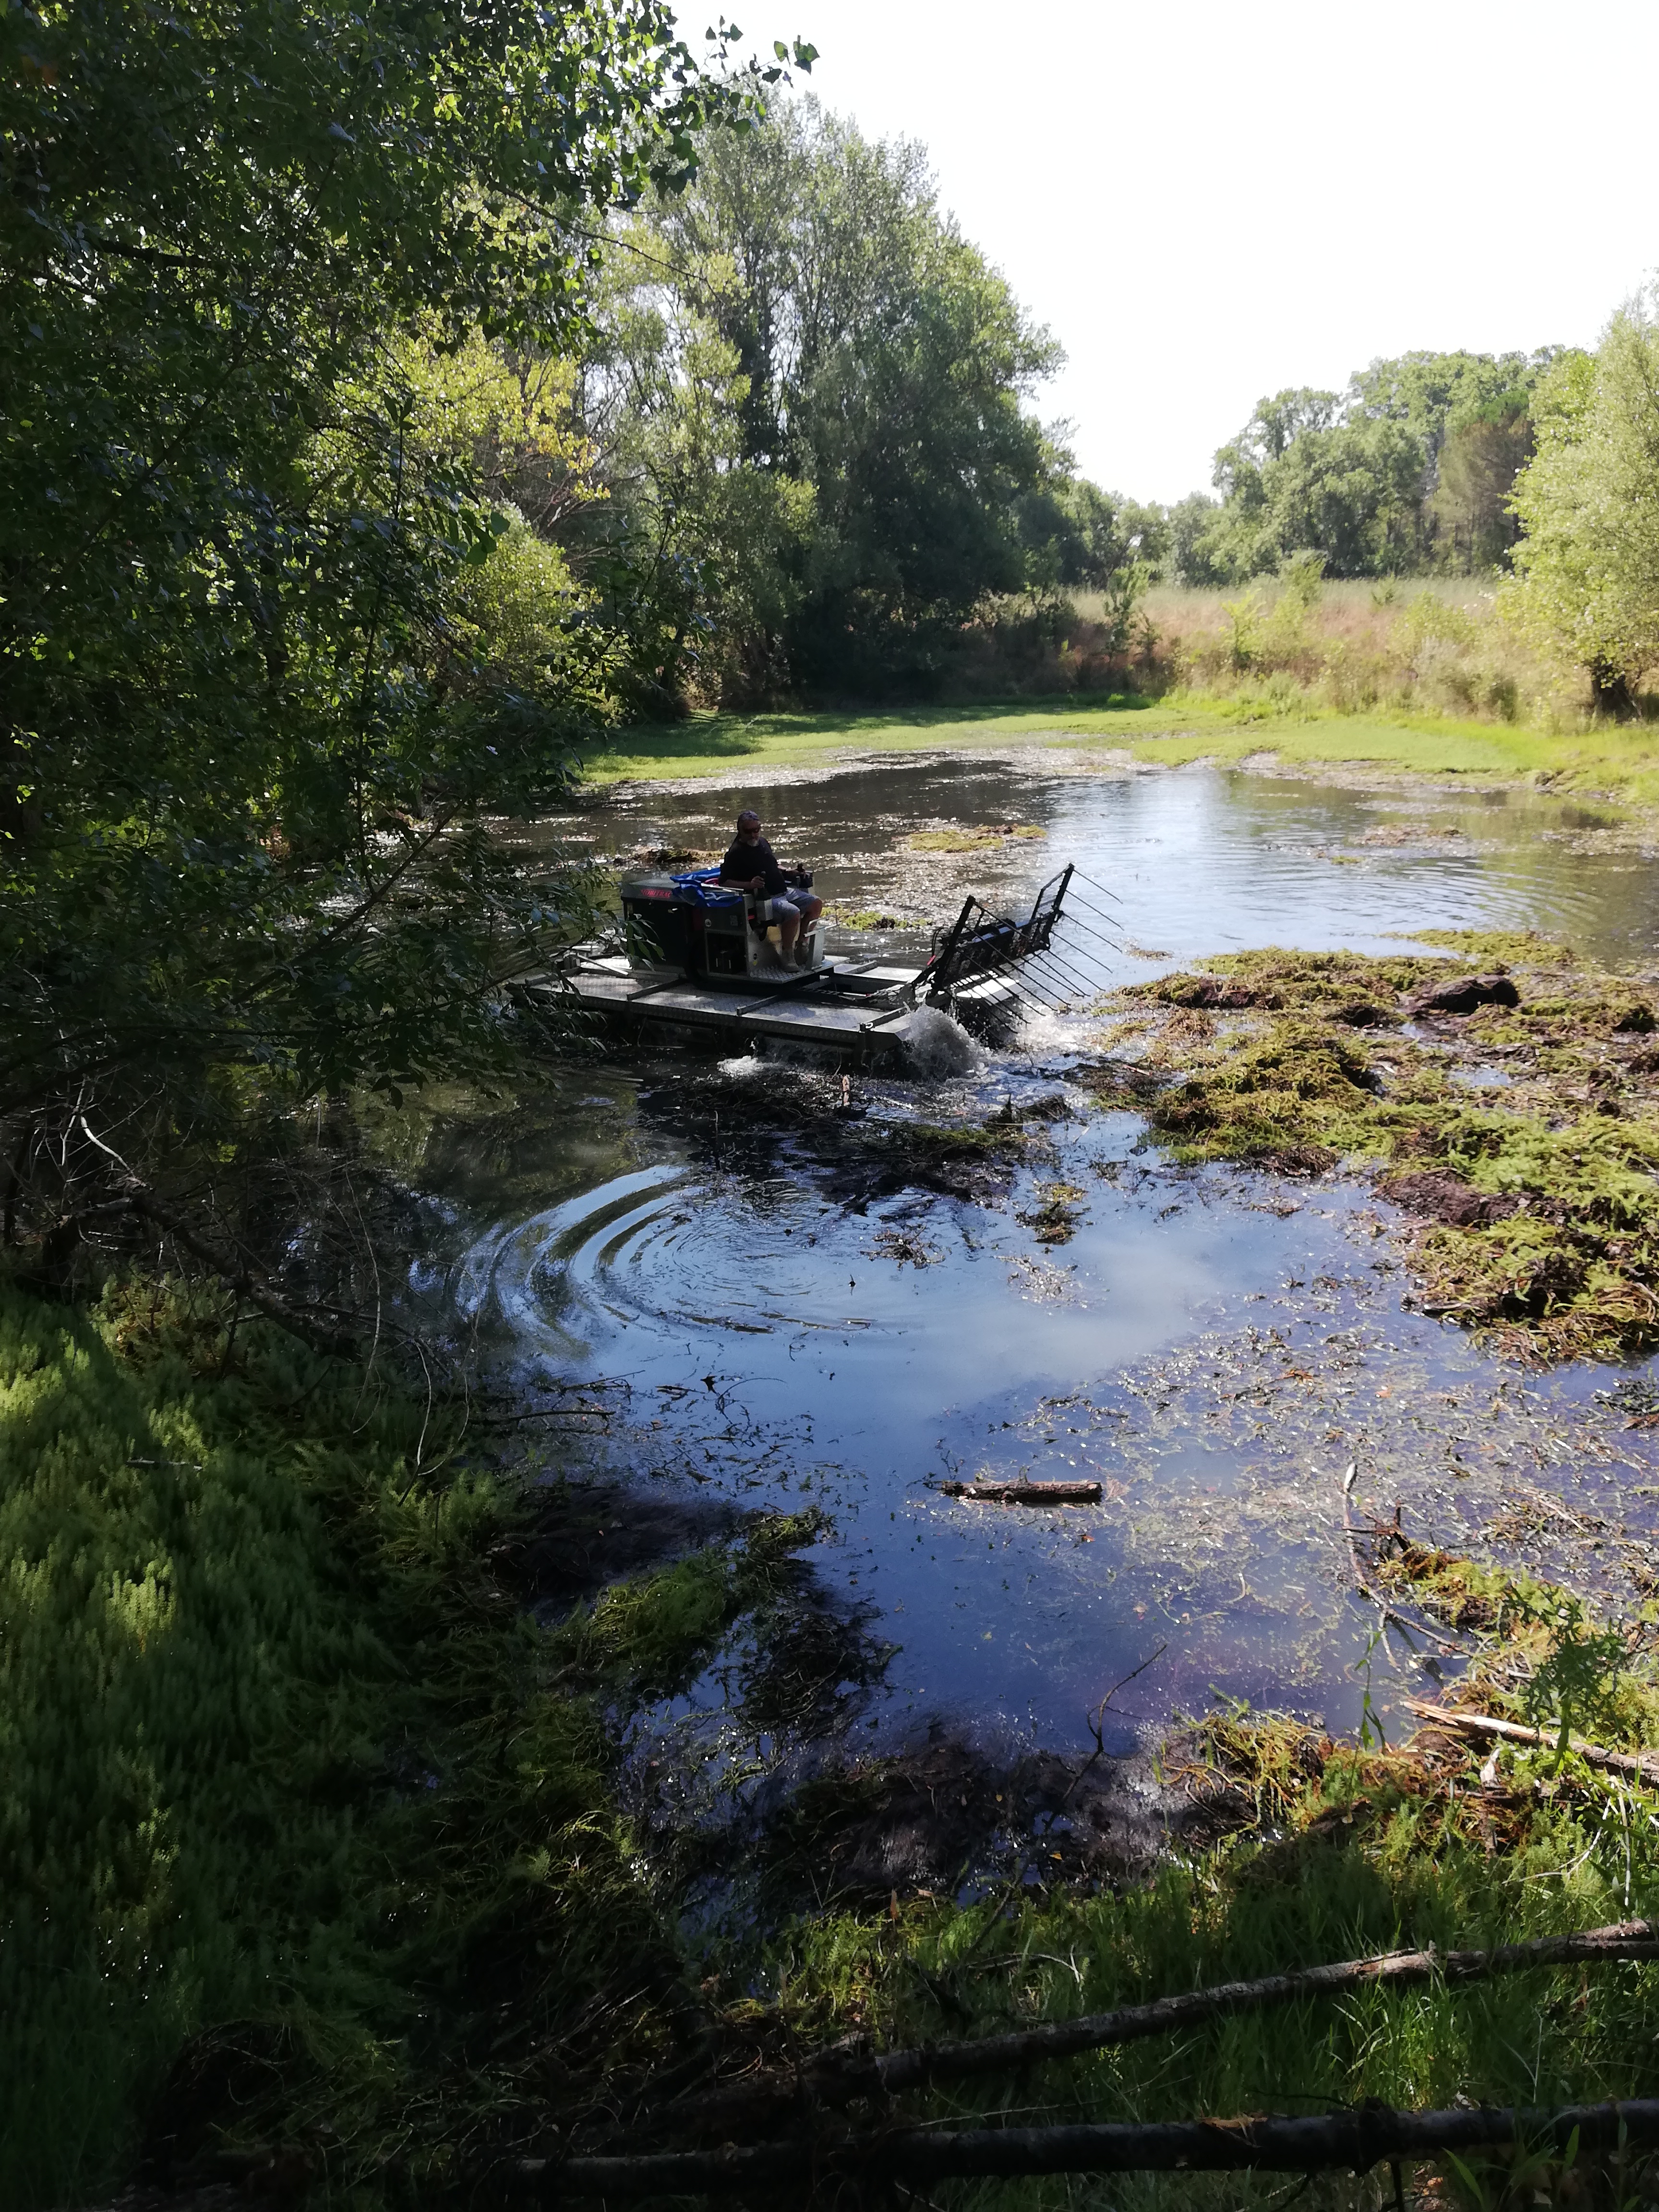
1026	1494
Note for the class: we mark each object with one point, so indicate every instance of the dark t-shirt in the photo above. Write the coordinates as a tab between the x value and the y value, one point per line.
744	862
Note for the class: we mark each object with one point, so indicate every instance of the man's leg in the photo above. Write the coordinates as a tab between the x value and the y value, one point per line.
788	926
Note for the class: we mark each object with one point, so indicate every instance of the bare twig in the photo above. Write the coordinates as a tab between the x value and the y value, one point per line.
238	1274
1388	1611
1357	2139
1644	1764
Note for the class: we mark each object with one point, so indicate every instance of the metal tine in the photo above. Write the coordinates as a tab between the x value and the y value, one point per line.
1028	988
1028	991
1112	921
1101	888
1070	990
1087	951
1067	915
1076	975
1094	937
1073	985
1070	955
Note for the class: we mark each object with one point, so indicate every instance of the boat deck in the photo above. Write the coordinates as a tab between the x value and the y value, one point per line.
838	1005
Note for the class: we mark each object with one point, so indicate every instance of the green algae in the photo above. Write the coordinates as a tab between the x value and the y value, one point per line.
1523	1140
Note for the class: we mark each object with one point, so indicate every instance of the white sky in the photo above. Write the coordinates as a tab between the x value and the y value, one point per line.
1206	202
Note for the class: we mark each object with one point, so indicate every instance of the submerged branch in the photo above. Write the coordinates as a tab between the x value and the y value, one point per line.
237	1275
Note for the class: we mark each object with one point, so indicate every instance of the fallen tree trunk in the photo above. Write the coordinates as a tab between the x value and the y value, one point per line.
1026	1494
1356	2140
1644	1764
839	2078
1063	2038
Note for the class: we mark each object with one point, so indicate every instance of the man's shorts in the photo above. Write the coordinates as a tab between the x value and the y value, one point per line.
779	909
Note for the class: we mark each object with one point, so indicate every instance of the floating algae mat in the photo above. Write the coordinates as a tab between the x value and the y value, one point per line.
1207	1245
1513	1109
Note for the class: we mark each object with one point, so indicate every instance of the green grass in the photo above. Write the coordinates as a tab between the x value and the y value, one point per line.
287	1776
1621	762
1365	1852
713	744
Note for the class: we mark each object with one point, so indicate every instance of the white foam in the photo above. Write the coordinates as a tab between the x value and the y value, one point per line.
936	1046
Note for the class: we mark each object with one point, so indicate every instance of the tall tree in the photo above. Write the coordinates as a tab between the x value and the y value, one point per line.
1589	506
253	718
877	372
1403	469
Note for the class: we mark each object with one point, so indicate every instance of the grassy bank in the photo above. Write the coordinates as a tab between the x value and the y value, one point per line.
1612	761
307	1838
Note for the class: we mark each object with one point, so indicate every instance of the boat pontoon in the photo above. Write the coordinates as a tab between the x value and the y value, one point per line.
699	955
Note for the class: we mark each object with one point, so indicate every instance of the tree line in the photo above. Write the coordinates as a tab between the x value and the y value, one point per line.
1410	470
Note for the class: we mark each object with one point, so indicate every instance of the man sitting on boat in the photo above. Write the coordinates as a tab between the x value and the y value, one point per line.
751	865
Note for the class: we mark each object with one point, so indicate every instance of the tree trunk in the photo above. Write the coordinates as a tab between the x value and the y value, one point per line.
1612	696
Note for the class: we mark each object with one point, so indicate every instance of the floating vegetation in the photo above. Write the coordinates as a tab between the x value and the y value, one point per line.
1522	1140
907	1247
980	838
864	917
1057	1213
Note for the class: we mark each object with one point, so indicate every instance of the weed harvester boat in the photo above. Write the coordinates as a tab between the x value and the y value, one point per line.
698	955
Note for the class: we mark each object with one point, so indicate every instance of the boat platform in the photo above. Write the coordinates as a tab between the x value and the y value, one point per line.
859	1010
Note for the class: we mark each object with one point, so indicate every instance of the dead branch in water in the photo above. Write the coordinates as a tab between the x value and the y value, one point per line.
1368	1589
1026	1494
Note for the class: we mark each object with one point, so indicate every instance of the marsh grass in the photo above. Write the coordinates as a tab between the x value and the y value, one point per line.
1433	646
307	1834
1335	1851
1548	1210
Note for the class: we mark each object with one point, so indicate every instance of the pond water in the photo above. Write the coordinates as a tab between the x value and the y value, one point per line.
698	1249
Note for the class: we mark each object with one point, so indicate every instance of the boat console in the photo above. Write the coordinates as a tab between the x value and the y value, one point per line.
695	925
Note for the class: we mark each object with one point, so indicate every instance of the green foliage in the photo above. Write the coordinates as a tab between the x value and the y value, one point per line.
1589	559
224	1783
1301	477
276	1748
251	568
1575	1687
1411	467
811	392
647	1638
